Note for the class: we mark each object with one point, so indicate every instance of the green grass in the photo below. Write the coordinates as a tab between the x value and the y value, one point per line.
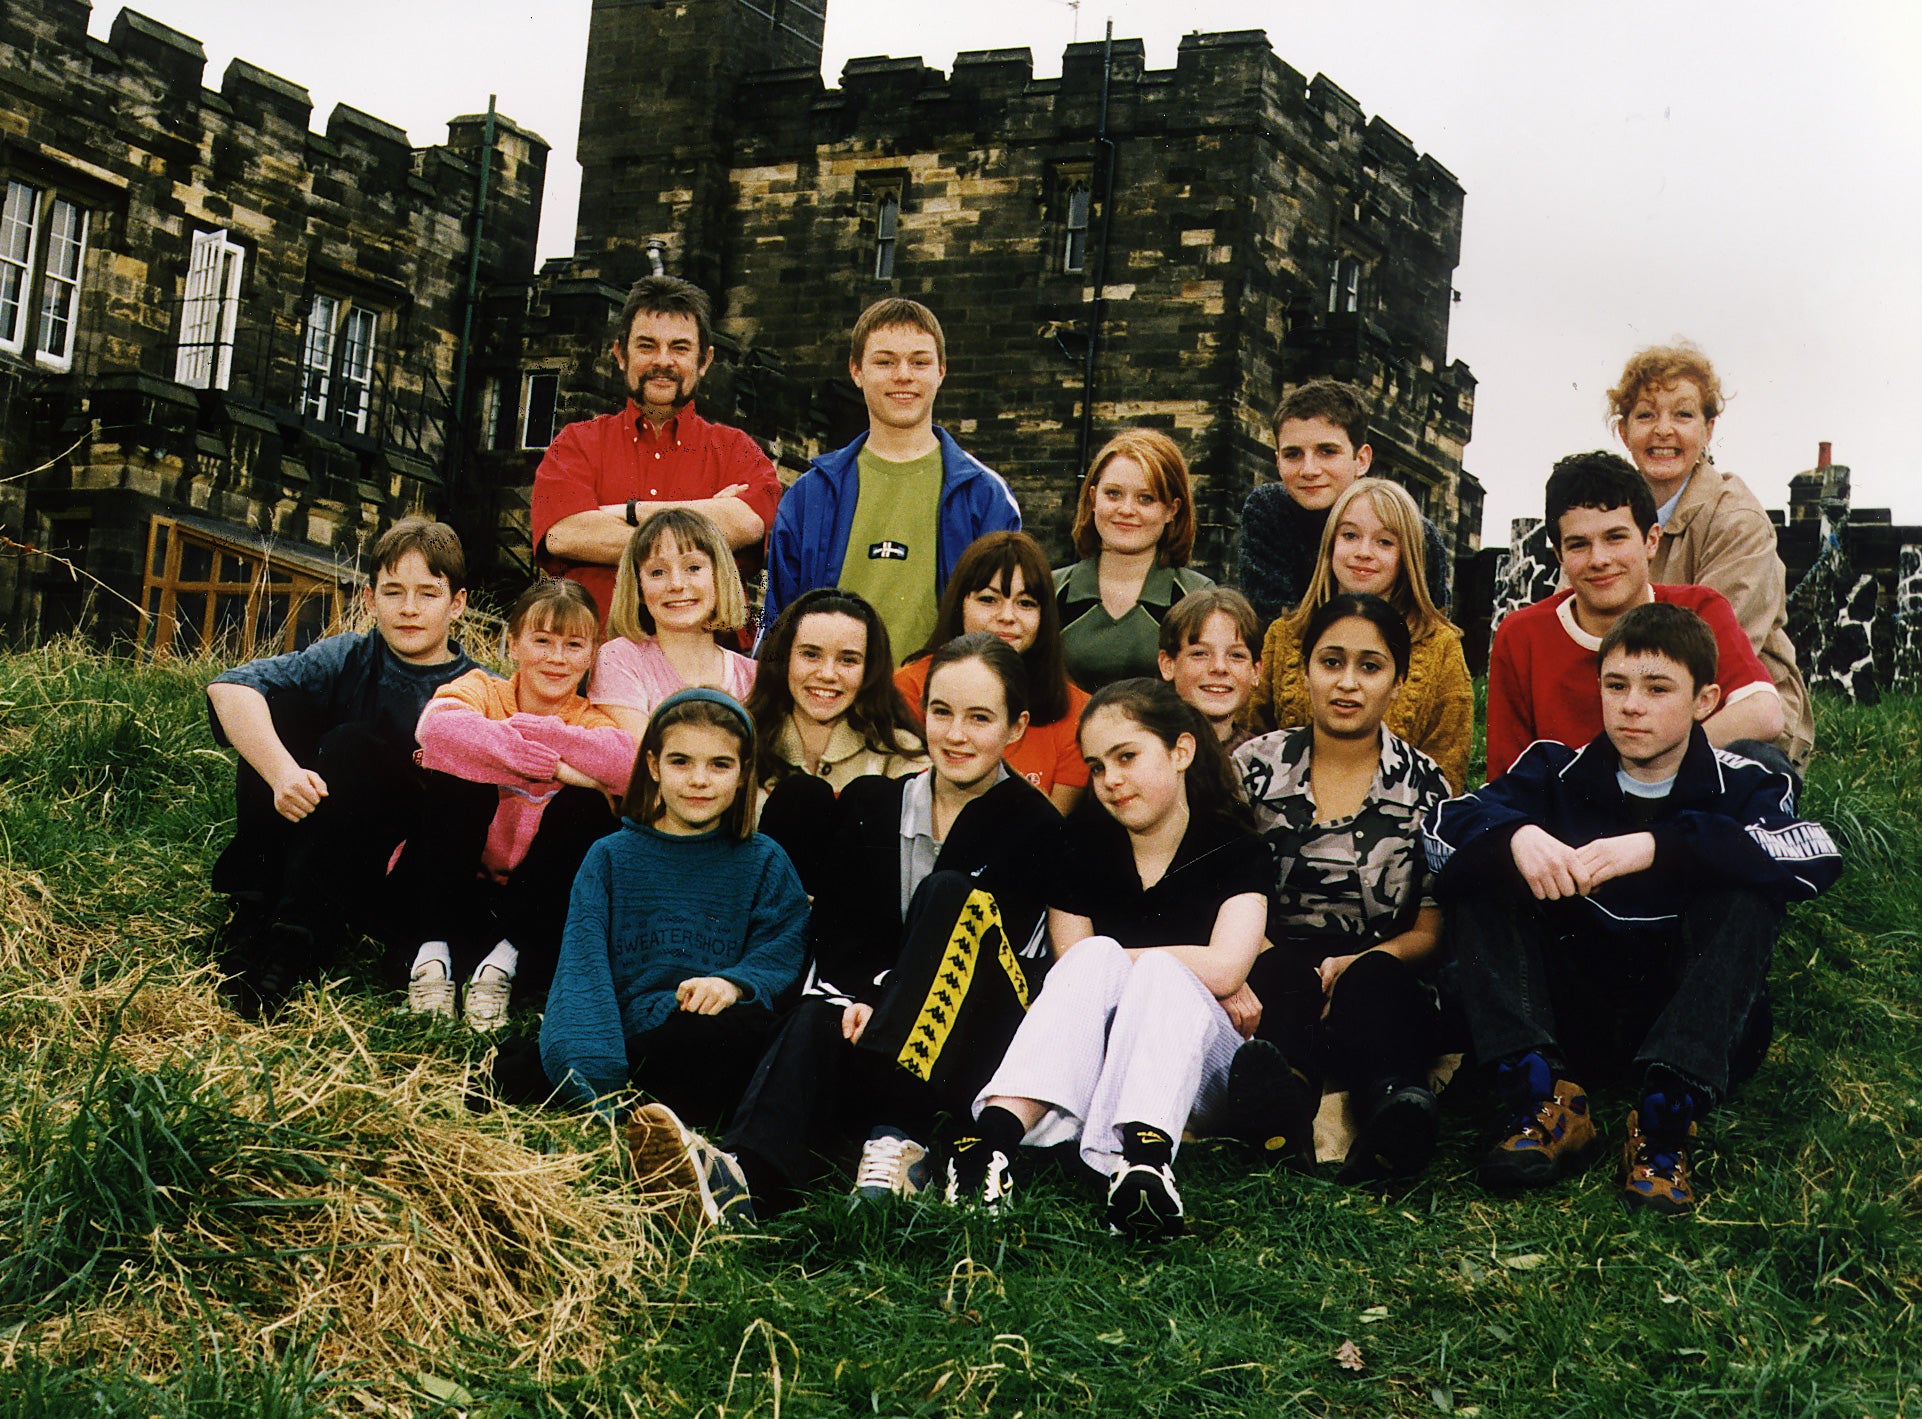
290	1194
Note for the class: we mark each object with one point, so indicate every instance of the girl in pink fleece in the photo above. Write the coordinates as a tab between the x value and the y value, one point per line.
522	770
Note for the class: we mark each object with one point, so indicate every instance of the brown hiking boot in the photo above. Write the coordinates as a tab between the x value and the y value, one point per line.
668	1157
1555	1140
1655	1175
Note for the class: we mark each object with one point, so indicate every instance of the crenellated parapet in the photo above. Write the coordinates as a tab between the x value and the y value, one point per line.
299	293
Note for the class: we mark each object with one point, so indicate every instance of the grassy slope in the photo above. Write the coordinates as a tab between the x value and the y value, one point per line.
1792	1293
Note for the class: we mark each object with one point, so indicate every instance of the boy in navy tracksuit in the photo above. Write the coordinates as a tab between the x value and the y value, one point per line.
1622	903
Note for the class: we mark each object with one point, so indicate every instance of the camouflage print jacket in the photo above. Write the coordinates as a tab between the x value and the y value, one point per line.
1341	886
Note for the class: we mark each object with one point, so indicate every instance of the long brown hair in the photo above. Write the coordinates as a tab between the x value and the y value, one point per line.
879	714
992	560
1212	785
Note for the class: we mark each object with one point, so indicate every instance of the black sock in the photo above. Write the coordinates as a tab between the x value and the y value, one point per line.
1144	1143
1000	1130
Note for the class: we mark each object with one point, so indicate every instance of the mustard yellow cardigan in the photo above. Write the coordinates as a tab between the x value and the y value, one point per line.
1434	710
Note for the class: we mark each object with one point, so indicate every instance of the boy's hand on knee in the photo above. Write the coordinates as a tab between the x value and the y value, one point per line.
854	1020
298	792
1608	858
706	995
1551	868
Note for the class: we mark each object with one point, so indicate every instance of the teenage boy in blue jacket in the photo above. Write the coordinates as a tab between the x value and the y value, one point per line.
1622	903
890	514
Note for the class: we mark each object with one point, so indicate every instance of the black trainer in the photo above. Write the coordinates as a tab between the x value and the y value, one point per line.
1397	1135
1270	1107
1143	1203
284	959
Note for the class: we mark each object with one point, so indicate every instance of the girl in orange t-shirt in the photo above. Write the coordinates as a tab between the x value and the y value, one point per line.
1002	585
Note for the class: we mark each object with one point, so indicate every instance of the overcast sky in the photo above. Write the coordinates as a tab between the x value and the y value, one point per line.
1747	175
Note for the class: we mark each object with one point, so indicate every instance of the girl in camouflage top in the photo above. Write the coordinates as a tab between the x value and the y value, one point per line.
1344	989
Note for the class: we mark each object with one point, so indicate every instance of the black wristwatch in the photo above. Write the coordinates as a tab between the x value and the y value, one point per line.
632	521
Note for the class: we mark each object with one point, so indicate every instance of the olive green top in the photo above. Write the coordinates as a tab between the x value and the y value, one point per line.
1098	647
892	545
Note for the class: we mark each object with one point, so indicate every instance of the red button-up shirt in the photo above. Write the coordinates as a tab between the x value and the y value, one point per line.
594	462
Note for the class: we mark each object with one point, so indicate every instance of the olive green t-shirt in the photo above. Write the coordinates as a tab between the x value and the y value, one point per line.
891	546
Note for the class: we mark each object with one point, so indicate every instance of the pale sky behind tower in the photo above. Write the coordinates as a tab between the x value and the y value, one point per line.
1743	173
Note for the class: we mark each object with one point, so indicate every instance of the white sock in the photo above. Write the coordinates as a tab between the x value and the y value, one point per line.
434	951
505	957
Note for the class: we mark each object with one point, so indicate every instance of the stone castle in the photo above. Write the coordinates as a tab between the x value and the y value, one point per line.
1118	245
231	347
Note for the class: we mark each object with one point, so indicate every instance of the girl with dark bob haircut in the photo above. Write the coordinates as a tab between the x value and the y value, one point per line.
1002	585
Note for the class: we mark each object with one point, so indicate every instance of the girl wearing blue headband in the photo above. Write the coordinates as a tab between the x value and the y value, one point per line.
683	931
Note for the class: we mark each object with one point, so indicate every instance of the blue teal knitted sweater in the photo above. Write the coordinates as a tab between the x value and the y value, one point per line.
650	910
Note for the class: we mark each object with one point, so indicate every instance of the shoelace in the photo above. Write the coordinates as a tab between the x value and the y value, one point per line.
1533	1123
1663	1162
881	1163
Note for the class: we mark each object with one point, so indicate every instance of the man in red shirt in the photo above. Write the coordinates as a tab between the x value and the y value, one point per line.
1543	680
603	477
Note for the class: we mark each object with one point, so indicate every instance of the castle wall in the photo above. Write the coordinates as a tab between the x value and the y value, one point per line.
286	425
1238	187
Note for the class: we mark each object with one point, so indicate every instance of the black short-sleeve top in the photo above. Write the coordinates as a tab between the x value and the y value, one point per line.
1095	877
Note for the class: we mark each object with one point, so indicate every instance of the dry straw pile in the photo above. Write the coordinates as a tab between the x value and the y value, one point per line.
174	1180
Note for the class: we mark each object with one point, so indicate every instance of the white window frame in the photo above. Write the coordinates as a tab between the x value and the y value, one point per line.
43	262
209	312
1077	220
19	244
527	408
317	356
337	346
1344	285
60	289
887	230
358	331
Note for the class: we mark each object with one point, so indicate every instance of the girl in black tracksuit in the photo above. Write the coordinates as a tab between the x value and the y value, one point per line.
926	942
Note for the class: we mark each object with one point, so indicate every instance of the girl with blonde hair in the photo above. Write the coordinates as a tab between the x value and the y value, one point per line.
1373	543
675	587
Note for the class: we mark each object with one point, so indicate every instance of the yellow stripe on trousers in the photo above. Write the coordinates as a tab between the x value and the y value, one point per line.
980	917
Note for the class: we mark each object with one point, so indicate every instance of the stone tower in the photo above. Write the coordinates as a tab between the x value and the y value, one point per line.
659	123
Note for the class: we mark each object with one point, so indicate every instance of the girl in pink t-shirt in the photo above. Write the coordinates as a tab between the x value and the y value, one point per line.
675	587
522	770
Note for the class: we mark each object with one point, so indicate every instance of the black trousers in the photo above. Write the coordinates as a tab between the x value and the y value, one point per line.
695	1064
1383	1021
698	1064
1691	997
948	1008
447	898
330	868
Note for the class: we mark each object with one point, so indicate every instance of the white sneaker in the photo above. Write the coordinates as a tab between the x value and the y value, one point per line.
429	991
1143	1203
487	996
892	1165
